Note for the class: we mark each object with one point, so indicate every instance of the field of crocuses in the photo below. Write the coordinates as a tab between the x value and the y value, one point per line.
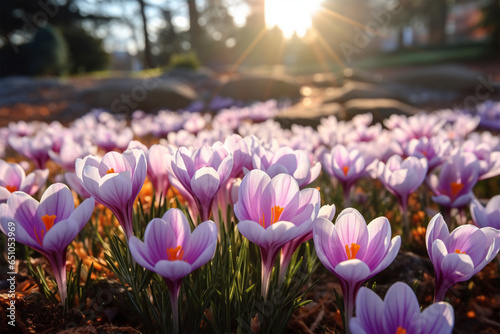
183	222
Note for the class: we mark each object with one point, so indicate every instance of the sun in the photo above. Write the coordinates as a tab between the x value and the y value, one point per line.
291	16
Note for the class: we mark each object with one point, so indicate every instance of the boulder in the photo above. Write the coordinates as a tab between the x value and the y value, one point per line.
308	116
127	95
362	90
356	74
381	109
443	77
260	88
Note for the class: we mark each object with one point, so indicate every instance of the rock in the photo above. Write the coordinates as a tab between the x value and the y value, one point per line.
361	90
356	74
381	109
202	78
443	77
325	80
260	88
127	95
308	116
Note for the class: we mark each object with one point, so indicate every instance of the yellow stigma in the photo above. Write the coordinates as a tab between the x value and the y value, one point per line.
352	251
400	330
455	188
346	170
11	188
175	254
276	212
110	171
458	251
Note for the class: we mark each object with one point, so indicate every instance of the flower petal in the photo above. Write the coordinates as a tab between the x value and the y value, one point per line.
439	319
401	309
56	200
369	312
172	270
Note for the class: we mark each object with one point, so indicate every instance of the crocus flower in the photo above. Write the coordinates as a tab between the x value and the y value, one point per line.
71	150
34	148
354	251
435	150
170	250
458	175
399	313
459	255
13	178
157	169
418	126
346	165
49	226
486	216
201	173
286	160
272	212
115	181
402	177
488	158
109	138
326	211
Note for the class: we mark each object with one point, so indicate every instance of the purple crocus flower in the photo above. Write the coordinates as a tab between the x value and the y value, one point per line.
272	212
115	181
354	251
458	175
399	313
201	173
326	211
288	161
13	178
170	250
459	255
488	159
435	150
71	150
346	165
49	226
157	169
418	126
109	138
486	216
34	148
402	177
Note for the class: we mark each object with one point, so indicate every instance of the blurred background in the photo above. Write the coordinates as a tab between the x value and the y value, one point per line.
61	37
104	39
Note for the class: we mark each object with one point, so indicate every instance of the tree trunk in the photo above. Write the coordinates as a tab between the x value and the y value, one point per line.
148	57
194	25
438	13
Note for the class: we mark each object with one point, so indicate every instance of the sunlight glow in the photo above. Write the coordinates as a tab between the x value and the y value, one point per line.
291	16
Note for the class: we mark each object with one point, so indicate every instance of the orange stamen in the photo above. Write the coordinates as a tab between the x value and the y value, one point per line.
345	169
11	188
400	330
48	221
276	212
352	251
458	251
110	171
175	254
455	188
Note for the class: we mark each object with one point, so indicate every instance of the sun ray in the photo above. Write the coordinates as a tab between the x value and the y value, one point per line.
328	48
341	17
